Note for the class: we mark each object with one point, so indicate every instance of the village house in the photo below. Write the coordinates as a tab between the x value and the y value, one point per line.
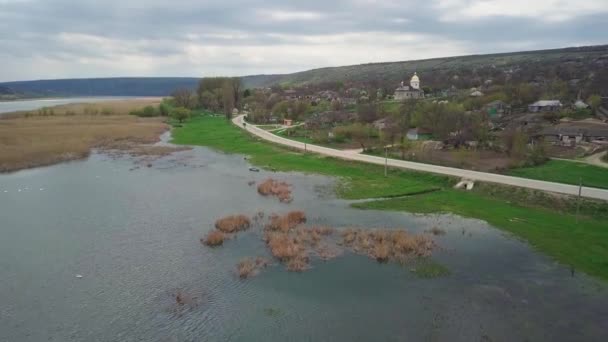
570	134
412	91
545	106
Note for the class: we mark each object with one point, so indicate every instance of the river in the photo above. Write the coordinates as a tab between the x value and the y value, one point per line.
34	104
96	250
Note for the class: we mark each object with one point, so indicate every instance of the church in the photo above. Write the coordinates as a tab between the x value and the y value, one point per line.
412	91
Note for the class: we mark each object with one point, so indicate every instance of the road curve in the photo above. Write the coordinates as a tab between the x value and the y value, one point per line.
449	171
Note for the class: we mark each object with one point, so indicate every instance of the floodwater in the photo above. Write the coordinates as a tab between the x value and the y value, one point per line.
25	105
132	233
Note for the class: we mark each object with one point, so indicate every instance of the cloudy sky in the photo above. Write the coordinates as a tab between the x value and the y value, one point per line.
93	38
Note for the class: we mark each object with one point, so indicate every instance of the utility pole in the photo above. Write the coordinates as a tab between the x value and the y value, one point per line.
578	200
385	161
305	149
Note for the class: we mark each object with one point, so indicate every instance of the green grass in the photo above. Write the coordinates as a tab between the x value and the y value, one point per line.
583	245
566	172
359	180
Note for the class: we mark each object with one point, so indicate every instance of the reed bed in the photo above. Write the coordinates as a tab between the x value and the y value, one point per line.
281	190
32	141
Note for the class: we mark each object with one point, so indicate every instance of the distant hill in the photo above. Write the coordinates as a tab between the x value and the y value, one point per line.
576	63
127	86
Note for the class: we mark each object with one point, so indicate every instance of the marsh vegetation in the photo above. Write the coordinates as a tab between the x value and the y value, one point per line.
70	132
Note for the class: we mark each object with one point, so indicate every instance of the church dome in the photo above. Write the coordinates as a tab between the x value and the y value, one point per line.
415	78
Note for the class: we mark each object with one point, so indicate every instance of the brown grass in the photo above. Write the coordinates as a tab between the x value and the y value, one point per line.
214	238
233	224
281	190
286	222
27	142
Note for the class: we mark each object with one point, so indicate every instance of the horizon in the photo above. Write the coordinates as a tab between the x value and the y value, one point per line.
67	39
298	71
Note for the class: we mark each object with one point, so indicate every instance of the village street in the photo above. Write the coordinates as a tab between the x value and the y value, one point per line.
455	172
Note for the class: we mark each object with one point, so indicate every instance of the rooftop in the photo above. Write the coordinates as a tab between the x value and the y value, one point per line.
546	103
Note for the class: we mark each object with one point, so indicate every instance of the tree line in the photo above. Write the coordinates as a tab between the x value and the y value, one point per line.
216	94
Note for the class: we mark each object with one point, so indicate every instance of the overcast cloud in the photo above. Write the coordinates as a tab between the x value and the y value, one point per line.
92	38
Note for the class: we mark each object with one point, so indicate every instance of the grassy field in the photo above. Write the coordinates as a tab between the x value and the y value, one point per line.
66	133
583	245
566	172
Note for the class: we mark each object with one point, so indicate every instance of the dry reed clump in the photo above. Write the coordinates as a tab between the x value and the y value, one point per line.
232	224
249	267
283	246
214	238
286	222
385	245
281	190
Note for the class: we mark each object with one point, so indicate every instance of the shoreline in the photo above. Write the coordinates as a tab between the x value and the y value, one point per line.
548	223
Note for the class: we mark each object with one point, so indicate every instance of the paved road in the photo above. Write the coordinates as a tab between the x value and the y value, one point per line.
450	171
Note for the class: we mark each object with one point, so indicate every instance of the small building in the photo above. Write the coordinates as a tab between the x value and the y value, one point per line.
412	91
545	106
287	122
497	108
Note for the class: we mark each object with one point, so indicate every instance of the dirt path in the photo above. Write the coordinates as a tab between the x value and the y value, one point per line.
596	159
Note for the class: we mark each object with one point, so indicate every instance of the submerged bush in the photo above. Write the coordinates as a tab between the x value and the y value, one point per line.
214	238
233	224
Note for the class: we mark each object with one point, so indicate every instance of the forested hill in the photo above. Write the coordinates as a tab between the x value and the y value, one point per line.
567	64
128	86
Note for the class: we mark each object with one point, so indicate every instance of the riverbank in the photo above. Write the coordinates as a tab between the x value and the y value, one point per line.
70	132
547	222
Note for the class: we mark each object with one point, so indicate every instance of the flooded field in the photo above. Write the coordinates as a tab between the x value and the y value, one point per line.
108	249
